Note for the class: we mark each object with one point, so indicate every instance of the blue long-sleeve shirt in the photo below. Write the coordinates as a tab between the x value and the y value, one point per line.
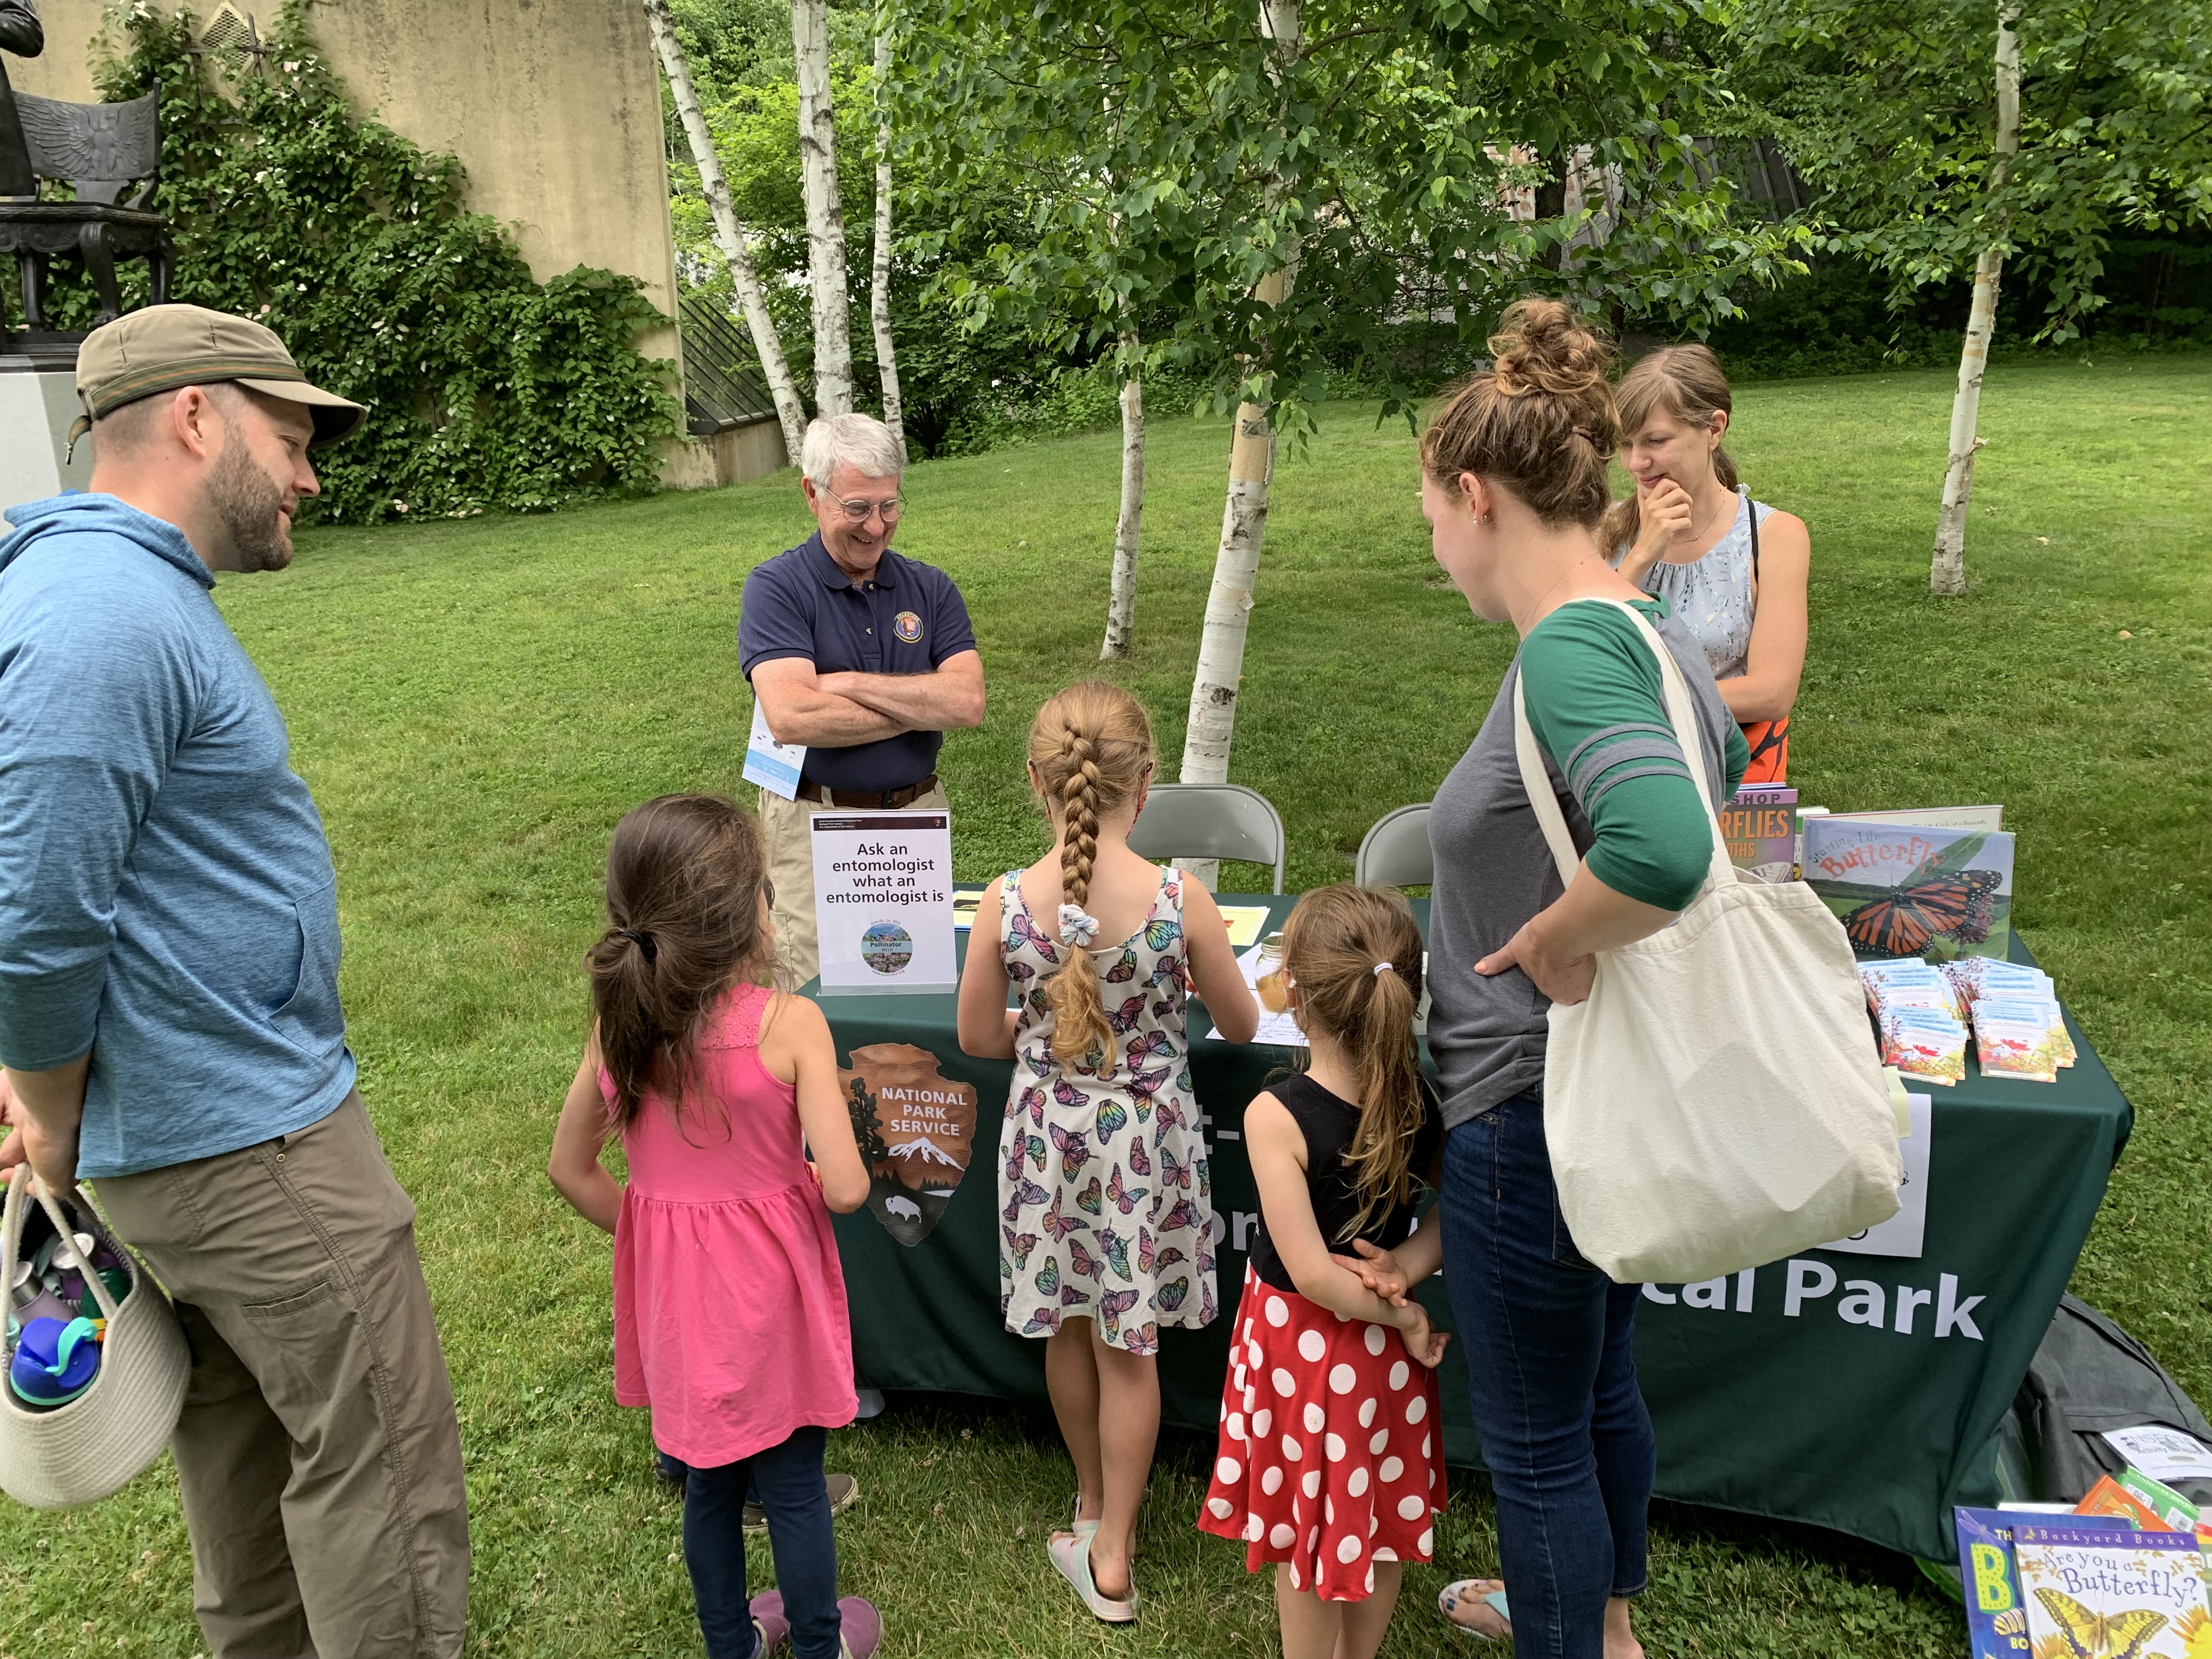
168	902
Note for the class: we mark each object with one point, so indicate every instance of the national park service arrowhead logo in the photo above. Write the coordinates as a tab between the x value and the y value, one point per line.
916	1133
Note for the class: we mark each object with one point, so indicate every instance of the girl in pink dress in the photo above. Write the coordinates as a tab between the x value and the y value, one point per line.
730	1317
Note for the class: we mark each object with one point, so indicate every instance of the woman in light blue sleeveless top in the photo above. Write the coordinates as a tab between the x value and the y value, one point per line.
1733	570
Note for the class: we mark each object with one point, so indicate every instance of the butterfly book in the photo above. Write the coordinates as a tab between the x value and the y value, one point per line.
1904	890
2096	1593
1761	827
1997	1622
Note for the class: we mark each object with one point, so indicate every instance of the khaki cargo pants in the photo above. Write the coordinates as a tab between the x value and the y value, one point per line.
318	1450
787	830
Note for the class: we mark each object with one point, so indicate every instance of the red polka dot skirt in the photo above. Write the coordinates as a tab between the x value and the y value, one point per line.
1331	1456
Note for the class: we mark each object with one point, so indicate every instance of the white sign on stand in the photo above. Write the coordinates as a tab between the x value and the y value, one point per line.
882	903
774	766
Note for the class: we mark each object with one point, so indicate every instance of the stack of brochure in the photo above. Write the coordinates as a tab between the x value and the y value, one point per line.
1924	1028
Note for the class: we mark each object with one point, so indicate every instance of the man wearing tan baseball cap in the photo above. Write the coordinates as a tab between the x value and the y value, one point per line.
169	1018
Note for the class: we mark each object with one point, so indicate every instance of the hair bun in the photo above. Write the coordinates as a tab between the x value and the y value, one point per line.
1543	346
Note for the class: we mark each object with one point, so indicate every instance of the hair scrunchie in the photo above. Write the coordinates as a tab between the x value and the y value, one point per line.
1076	927
643	941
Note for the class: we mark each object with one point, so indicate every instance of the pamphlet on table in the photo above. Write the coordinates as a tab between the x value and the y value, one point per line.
883	902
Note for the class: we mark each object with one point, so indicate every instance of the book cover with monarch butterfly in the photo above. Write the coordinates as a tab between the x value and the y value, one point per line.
1906	890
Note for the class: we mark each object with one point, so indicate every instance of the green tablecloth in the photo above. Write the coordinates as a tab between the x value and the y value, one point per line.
1804	1417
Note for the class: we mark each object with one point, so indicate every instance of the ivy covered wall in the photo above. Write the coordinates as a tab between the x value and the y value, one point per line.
489	389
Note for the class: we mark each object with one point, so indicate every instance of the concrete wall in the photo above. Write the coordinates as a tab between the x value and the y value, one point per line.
552	106
727	458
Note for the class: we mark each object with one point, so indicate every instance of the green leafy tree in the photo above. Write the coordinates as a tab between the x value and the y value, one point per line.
1952	136
1272	188
487	388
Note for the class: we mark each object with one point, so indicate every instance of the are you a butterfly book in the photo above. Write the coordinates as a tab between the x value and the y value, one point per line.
1904	890
2110	1595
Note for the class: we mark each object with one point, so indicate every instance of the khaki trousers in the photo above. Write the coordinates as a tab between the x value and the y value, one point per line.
787	828
317	1451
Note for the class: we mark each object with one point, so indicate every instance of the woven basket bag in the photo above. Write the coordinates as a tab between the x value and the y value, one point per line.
97	1444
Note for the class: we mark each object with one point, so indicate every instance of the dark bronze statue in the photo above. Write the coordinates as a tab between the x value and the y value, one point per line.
21	34
110	155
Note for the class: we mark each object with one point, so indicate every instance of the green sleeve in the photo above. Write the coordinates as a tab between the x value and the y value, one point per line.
1737	760
1598	708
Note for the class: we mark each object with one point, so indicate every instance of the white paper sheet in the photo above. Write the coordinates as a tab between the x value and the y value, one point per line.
1902	1234
2163	1454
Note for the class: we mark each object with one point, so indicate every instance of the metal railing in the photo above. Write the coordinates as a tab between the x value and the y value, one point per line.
723	386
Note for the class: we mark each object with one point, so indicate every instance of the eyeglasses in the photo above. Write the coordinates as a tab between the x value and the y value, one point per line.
858	511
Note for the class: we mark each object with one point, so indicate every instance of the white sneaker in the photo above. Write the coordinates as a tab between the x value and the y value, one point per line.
871	1404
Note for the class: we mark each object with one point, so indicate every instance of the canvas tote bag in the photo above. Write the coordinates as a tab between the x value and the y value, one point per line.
1718	1102
81	1452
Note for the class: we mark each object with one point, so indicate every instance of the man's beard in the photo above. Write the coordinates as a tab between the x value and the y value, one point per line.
249	504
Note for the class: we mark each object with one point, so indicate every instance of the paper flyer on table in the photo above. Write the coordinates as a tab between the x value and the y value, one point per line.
1277	1030
774	766
1244	922
1902	1234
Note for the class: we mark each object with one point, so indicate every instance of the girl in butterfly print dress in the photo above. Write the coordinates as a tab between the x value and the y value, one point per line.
1107	1227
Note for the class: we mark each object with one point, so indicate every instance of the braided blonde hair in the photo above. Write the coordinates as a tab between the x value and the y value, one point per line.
1091	746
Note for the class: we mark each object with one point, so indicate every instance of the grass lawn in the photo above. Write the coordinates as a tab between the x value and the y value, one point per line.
476	703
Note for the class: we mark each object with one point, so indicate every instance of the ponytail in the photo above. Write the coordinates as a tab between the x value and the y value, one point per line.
1355	956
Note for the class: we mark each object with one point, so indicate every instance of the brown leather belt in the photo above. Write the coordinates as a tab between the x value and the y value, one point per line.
882	801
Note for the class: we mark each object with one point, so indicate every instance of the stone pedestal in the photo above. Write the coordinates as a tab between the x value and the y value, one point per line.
37	405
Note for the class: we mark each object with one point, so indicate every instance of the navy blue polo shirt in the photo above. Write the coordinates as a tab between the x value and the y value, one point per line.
907	619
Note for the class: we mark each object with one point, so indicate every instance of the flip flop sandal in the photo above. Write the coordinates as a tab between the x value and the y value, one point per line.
1077	1526
1071	1556
1450	1597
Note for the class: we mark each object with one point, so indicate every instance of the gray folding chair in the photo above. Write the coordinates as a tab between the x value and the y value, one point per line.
1394	853
1210	821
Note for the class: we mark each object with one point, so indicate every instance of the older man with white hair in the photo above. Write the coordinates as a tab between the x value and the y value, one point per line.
865	656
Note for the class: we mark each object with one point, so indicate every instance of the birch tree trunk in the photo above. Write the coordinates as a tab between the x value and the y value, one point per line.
825	211
1947	572
1212	722
728	233
879	293
1122	605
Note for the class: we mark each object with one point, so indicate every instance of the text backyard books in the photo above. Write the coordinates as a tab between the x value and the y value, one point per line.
1913	889
2098	1593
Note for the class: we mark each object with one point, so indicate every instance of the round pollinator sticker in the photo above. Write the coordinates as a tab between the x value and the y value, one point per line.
887	947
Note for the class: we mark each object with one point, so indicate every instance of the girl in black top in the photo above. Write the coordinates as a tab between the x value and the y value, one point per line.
1331	1457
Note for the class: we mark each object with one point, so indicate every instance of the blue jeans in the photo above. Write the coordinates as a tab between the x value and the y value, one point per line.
1551	1378
788	1481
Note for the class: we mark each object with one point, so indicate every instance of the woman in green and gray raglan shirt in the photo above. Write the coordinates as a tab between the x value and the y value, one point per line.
1514	485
